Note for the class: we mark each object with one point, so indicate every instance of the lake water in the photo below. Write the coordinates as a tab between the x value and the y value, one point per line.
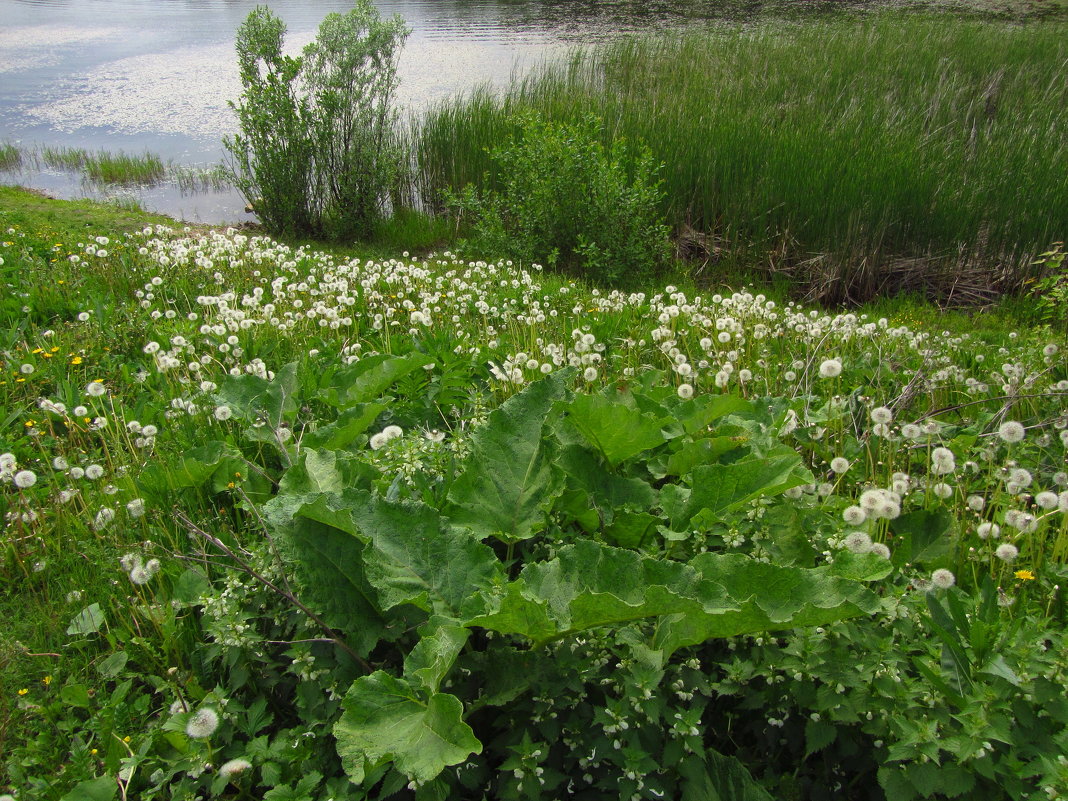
156	75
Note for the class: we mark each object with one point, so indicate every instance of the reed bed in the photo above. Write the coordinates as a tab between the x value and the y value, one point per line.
856	139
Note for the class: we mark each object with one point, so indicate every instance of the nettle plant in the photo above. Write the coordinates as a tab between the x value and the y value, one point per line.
525	620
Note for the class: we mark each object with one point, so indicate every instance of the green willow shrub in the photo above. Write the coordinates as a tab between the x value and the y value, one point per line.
317	153
564	198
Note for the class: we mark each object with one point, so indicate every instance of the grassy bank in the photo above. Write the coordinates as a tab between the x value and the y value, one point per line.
191	415
845	144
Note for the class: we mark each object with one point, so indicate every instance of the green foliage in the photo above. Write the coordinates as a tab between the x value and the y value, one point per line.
564	198
862	139
1050	290
448	602
317	153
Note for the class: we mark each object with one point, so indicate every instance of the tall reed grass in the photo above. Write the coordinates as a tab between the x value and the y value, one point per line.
891	134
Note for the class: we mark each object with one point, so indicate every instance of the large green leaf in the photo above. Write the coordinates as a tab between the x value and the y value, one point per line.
256	399
696	414
350	424
922	536
386	720
765	597
511	481
610	493
589	585
617	430
328	563
413	558
719	488
717	777
433	656
366	379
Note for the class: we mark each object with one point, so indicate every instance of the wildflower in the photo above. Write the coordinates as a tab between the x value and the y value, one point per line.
93	472
103	518
234	767
976	503
202	724
435	435
129	561
854	515
26	369
59	463
857	542
1046	500
839	464
831	368
392	432
589	374
942	490
685	391
881	414
1024	575
911	431
135	508
879	549
223	413
943	579
880	430
24	479
1007	552
77	472
986	530
378	440
95	389
1011	431
943	461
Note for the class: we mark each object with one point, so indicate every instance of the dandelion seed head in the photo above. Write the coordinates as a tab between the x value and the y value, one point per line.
1011	431
202	723
943	579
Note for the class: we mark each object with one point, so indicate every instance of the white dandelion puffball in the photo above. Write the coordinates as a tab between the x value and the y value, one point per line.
831	368
685	391
879	549
378	440
943	461
1007	552
223	413
392	432
987	530
24	479
943	579
854	515
857	542
1011	431
95	389
135	508
234	767
839	464
589	374
93	472
202	724
881	414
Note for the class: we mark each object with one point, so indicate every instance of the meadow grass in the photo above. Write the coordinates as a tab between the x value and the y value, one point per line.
121	335
863	138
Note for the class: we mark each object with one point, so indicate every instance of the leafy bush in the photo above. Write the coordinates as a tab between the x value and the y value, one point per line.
566	199
317	153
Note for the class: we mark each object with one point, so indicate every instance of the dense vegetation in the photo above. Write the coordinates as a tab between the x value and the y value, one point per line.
860	155
291	521
261	499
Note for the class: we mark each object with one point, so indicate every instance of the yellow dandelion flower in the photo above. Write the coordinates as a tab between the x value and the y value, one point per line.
1024	575
46	680
76	360
23	691
30	423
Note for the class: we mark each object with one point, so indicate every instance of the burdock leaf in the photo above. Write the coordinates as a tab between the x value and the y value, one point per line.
413	558
385	720
511	480
618	431
765	597
719	488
